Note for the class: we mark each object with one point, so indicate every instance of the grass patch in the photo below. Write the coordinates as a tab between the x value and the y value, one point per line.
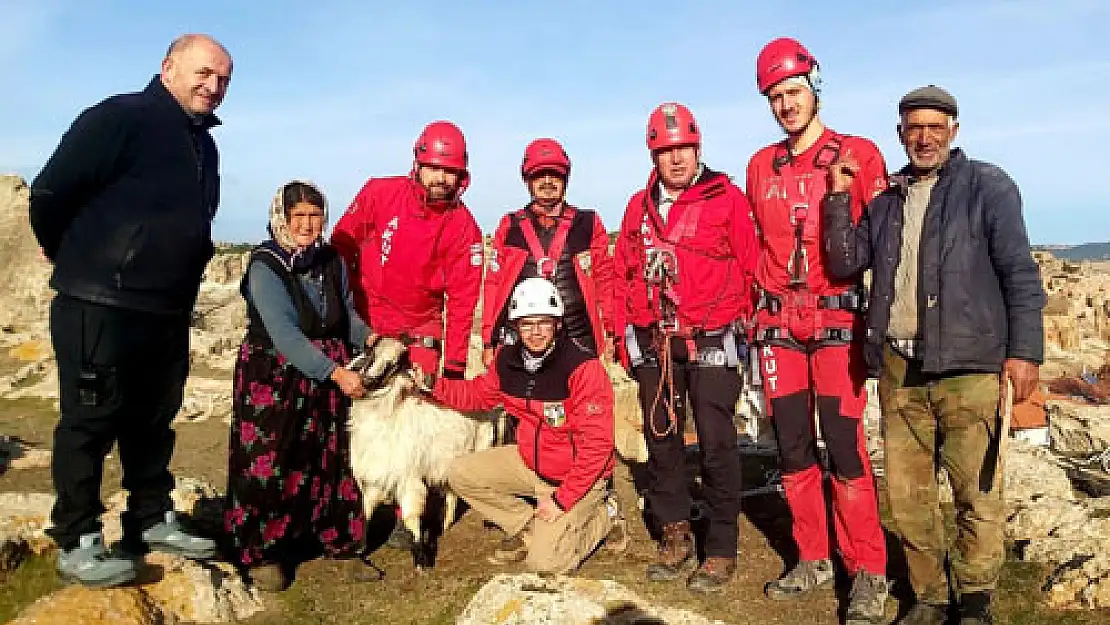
33	579
1019	599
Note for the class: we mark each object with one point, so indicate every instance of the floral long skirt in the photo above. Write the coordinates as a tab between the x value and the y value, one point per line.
289	473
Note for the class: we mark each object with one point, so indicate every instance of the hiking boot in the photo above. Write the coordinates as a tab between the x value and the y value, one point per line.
513	549
867	600
170	537
269	577
806	577
925	614
712	575
975	609
618	537
90	564
676	553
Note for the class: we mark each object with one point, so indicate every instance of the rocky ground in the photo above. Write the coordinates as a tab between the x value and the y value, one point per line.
462	586
1059	570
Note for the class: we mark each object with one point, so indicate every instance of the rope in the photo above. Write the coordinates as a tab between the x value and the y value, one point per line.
666	375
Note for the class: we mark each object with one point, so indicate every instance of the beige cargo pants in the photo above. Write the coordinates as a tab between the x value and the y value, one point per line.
493	482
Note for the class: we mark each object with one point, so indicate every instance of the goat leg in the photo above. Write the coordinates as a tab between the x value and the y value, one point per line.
450	505
413	496
372	497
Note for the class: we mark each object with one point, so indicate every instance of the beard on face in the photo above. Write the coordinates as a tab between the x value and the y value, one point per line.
438	191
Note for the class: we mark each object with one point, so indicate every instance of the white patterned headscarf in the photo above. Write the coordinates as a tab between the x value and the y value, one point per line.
279	217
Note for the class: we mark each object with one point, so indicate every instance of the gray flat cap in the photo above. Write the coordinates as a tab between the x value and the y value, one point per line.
930	97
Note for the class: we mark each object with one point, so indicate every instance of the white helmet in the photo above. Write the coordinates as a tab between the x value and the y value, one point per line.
535	296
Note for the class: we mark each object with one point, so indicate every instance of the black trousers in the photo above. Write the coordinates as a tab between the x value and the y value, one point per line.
121	378
712	389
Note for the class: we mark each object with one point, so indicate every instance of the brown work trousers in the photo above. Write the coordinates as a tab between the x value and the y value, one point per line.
942	422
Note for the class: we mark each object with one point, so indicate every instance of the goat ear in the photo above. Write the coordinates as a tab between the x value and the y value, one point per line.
377	368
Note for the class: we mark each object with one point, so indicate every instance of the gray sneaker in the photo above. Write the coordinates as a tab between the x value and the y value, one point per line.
169	537
90	564
806	577
867	600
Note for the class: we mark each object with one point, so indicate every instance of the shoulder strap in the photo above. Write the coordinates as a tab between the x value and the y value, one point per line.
546	260
826	155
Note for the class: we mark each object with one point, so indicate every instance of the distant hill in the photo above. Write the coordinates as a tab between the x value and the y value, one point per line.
1086	251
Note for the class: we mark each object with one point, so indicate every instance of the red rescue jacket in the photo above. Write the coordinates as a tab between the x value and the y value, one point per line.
776	183
410	261
587	243
710	229
565	411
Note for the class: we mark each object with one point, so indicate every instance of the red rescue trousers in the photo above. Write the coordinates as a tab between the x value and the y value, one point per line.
801	374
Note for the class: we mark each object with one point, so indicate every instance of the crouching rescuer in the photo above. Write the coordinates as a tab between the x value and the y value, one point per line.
564	456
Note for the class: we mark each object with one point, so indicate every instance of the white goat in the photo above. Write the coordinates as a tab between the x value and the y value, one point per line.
402	442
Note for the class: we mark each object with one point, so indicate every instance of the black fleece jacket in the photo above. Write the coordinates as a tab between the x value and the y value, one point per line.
124	206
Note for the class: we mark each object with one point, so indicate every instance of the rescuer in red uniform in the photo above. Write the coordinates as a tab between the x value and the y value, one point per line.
415	251
551	239
684	259
808	329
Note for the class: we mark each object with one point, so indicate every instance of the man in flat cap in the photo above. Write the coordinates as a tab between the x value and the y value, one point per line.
954	334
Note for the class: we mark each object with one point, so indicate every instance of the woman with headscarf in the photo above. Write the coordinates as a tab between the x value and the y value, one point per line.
289	477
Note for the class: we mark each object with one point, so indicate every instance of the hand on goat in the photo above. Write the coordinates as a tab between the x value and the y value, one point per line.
548	510
371	339
349	382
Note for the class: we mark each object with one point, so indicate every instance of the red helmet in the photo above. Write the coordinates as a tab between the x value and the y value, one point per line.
672	124
544	154
781	59
441	144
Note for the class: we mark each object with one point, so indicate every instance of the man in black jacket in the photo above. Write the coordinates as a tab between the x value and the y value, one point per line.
124	209
954	320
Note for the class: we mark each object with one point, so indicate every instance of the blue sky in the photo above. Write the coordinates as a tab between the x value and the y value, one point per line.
337	91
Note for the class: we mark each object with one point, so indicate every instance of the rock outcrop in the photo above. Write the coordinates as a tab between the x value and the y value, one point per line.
1077	429
1050	524
170	589
24	296
532	600
1077	314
